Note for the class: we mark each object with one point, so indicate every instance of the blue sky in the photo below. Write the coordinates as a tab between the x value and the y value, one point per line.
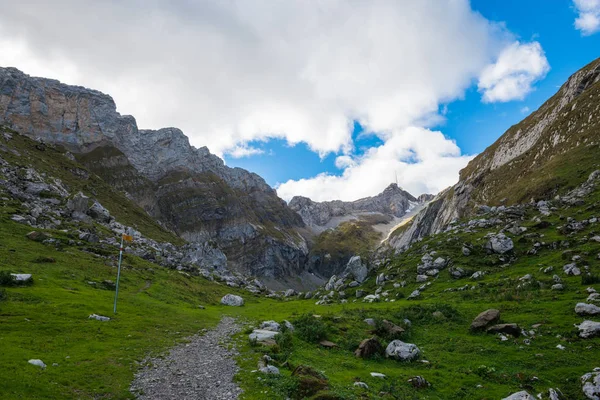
472	124
330	99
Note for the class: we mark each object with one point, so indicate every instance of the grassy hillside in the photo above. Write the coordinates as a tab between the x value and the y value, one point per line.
459	364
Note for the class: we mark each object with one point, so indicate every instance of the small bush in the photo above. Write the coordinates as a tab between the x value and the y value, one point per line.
6	279
285	341
310	329
2	294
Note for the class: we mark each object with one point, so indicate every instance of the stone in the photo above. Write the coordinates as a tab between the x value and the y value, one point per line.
361	385
558	287
371	298
78	203
419	382
391	329
510	329
588	329
422	278
262	335
99	317
377	375
356	269
289	293
232	300
360	293
466	251
500	244
485	318
37	362
37	236
415	294
478	275
402	351
21	277
368	348
572	269
591	384
269	369
270	326
98	212
369	321
587	309
288	325
380	281
353	284
522	395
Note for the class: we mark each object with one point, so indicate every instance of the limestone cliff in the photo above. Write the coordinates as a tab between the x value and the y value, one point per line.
548	153
188	189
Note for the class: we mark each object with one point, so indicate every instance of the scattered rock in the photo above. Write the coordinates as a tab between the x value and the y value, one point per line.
589	329
572	269
21	277
232	300
485	318
99	213
37	236
500	244
368	348
522	395
377	375
99	317
391	329
509	329
402	351
419	382
262	335
356	269
269	369
270	326
591	384
361	385
587	309
327	344
37	362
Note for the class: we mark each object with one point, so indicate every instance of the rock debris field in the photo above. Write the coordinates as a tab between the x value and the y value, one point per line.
200	369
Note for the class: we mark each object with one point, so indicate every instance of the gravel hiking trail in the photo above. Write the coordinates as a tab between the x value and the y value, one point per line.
202	368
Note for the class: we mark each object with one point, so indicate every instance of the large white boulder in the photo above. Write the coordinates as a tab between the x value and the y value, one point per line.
402	351
232	300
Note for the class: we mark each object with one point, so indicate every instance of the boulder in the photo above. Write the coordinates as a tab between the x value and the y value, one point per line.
380	281
572	269
368	348
269	369
270	326
370	298
509	329
500	244
99	317
21	277
232	300
522	395
356	269
419	382
360	293
399	350
377	375
289	293
589	329
485	318
262	335
391	329
78	203
361	385
37	236
587	309
37	362
591	384
98	212
440	263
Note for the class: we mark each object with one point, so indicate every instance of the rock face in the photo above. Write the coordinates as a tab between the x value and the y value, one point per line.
591	384
393	202
504	171
356	269
589	329
188	189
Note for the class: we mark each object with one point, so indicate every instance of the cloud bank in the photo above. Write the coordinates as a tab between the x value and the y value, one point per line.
232	72
588	19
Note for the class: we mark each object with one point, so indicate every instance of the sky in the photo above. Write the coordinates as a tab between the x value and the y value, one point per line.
329	99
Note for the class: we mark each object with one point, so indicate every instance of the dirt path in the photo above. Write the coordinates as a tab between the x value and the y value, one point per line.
200	369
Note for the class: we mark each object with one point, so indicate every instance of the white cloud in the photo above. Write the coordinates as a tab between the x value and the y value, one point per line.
245	151
232	72
512	75
423	160
588	20
524	110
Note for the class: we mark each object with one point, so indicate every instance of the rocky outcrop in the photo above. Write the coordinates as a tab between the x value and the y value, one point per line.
188	189
521	164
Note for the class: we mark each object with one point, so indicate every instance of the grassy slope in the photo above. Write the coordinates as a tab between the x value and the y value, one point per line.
459	360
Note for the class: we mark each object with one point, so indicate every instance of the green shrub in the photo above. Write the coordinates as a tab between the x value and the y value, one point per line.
2	294
6	279
590	279
310	329
43	260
